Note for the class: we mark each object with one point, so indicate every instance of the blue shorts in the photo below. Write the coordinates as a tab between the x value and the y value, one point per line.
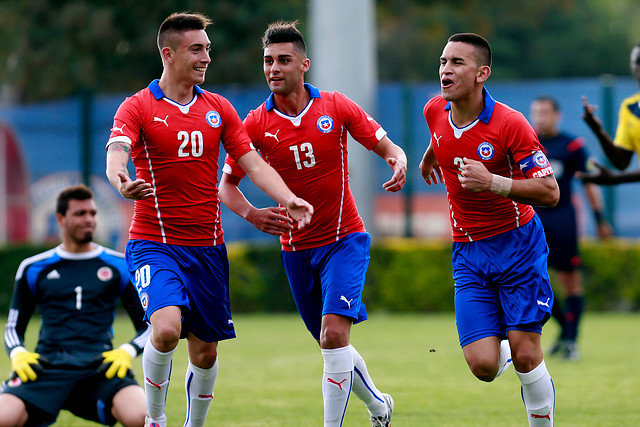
502	284
195	278
561	230
329	279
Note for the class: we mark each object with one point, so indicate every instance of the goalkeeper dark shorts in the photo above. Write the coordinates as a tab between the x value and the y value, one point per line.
84	392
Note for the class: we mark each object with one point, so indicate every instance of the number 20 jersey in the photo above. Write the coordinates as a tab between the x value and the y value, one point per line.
176	148
309	151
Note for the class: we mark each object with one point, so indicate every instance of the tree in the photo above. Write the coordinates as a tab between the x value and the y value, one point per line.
541	39
54	48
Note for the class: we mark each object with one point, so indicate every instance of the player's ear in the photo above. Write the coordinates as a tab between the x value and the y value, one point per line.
483	74
59	219
167	54
306	63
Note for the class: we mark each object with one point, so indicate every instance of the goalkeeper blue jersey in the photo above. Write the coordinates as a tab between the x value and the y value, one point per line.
76	295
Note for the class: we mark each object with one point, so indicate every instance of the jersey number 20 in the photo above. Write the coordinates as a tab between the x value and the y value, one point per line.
197	143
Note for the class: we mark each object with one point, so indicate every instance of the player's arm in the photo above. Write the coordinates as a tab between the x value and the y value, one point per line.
268	180
118	155
594	196
618	156
118	361
272	220
605	176
396	159
24	363
429	167
542	191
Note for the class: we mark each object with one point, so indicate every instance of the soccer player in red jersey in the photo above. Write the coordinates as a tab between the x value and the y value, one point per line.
176	255
493	166
302	132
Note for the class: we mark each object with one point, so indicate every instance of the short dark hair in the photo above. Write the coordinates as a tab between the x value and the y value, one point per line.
179	22
284	32
483	50
76	192
551	100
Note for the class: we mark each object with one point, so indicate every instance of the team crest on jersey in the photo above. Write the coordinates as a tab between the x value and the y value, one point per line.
485	151
105	273
13	382
540	159
325	124
214	119
144	300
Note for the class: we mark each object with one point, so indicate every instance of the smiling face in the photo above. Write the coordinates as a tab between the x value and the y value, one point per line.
459	71
284	67
188	55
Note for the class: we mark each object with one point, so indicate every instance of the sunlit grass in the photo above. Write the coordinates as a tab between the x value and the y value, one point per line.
271	375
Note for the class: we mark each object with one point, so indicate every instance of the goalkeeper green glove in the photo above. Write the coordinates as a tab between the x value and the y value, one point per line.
23	363
118	360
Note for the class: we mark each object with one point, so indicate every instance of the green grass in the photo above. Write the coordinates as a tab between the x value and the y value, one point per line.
271	375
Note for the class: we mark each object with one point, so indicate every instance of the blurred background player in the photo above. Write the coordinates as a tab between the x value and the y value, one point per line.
627	140
172	130
75	287
567	155
302	132
492	164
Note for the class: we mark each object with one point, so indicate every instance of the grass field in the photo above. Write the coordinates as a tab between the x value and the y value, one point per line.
270	375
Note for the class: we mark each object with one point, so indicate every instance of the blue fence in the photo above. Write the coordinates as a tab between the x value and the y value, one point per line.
50	135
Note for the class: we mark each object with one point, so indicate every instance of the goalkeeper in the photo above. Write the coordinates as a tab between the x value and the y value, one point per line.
75	287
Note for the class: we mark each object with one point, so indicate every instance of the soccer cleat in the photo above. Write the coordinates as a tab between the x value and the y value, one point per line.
571	351
384	420
150	422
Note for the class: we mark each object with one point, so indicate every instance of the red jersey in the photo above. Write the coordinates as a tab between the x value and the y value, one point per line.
309	151
500	138
176	148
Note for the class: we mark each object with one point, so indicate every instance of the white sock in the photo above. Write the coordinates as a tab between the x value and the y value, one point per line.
156	367
364	388
539	395
198	384
337	380
505	357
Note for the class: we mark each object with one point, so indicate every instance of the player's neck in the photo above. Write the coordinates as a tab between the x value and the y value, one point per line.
548	134
292	103
178	91
465	111
77	248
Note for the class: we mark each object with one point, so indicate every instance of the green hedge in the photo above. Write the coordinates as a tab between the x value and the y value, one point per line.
404	275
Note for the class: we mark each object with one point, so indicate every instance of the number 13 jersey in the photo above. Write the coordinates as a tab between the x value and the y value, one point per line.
176	148
309	151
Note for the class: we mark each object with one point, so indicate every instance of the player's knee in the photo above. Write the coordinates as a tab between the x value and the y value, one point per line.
205	358
129	406
13	411
165	336
526	358
333	338
485	369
